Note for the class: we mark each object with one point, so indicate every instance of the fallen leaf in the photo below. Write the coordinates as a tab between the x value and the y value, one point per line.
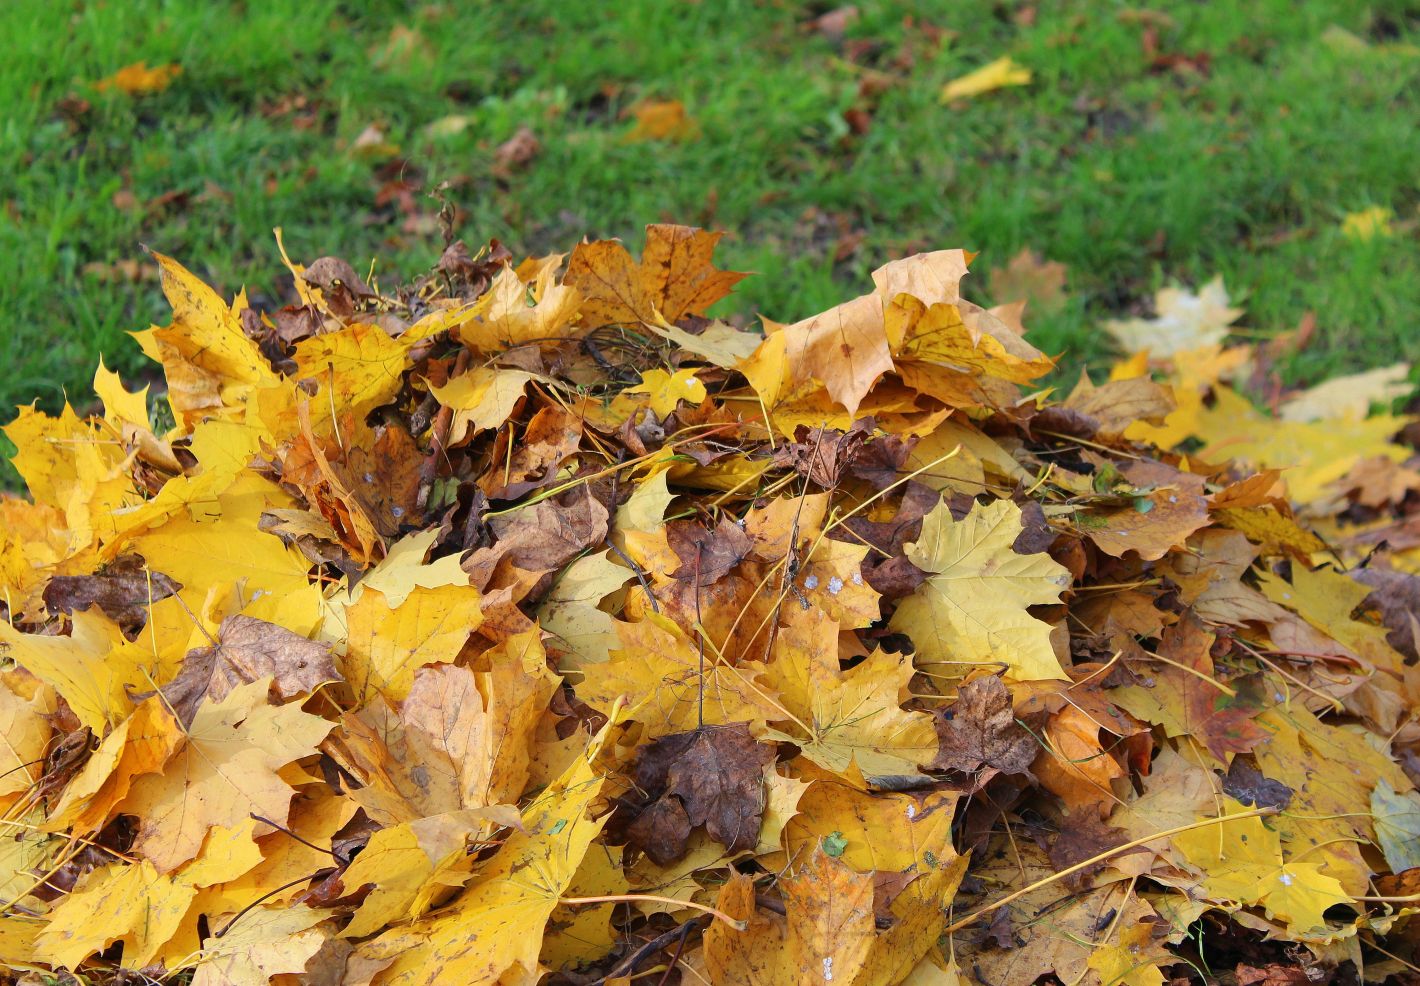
710	777
1001	73
662	119
246	650
140	80
1184	321
972	607
226	770
674	278
980	730
1027	277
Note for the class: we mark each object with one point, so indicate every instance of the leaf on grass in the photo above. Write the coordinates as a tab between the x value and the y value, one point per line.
1001	73
139	79
1184	321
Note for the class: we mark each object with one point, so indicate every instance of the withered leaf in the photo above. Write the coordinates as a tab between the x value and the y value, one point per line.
248	649
1248	784
711	776
1397	596
542	537
824	454
980	730
707	554
124	592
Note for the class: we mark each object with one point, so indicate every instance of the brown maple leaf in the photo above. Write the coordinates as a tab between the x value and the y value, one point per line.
980	730
707	554
711	776
248	649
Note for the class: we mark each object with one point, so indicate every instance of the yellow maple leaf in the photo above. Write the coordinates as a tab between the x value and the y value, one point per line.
1313	454
225	771
386	645
946	333
267	942
972	608
494	930
656	672
76	466
846	720
410	865
662	119
581	632
26	729
828	932
132	903
212	366
510	320
140	744
874	831
666	390
482	398
1373	223
79	667
1241	860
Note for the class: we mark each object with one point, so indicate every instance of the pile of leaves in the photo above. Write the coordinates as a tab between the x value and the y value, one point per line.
522	624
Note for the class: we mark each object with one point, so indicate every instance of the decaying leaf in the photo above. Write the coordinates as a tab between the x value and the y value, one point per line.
524	625
710	777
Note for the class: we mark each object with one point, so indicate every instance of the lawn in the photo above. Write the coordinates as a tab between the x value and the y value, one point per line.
1188	140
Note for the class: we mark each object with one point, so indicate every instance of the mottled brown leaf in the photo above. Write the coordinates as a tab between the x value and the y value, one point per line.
248	649
123	591
980	730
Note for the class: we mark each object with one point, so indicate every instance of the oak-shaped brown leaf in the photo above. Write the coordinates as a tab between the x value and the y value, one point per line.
248	649
711	776
707	555
675	277
980	730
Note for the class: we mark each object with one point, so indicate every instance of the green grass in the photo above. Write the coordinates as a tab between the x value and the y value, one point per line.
1130	175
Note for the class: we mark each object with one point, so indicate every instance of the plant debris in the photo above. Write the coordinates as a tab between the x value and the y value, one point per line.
525	625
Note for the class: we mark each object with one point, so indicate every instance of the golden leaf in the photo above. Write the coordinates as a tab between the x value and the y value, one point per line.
972	608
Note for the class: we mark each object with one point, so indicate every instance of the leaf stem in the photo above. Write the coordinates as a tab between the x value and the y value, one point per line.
981	912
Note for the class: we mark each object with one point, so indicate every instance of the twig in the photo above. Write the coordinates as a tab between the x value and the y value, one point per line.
981	912
629	964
